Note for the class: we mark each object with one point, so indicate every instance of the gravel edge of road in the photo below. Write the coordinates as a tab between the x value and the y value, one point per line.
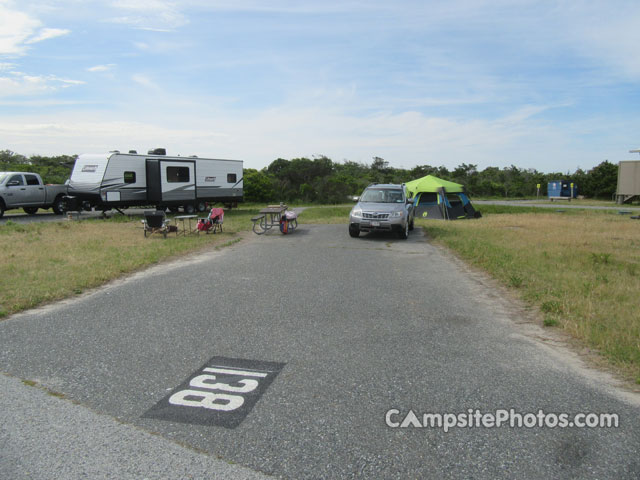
40	425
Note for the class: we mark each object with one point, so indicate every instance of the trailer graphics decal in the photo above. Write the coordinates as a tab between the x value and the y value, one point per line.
221	393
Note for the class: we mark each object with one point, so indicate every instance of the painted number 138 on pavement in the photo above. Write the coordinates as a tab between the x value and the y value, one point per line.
222	392
207	391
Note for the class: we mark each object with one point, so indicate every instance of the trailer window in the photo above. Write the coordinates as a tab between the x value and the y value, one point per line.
177	174
129	177
32	180
231	178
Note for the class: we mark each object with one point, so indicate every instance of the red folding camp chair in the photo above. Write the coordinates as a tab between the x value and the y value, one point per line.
213	222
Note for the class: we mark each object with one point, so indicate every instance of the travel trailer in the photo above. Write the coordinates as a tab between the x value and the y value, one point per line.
120	180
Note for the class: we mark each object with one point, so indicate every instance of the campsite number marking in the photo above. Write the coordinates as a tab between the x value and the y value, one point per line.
209	397
222	392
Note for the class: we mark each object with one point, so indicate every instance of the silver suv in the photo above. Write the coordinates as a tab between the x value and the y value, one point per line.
382	208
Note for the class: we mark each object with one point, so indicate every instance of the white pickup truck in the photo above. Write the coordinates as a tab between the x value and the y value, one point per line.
25	190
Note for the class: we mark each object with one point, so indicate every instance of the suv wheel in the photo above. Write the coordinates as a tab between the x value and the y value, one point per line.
404	233
354	231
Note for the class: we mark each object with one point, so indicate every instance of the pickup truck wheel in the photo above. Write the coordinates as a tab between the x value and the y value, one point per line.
31	210
411	225
404	233
354	231
1	209
58	206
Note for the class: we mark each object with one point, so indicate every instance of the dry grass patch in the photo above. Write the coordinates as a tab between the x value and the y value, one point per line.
43	262
582	271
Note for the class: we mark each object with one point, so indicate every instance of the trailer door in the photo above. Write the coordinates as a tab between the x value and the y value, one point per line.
178	180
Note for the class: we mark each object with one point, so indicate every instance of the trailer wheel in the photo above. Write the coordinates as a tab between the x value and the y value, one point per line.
189	209
31	210
201	206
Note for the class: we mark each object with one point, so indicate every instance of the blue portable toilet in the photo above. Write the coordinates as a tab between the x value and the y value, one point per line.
561	189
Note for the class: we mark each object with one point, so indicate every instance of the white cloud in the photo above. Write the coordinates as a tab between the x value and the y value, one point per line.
48	33
18	30
404	139
144	81
101	68
21	84
15	29
155	15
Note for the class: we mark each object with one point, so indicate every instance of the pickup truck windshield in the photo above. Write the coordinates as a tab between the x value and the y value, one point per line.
382	195
2	177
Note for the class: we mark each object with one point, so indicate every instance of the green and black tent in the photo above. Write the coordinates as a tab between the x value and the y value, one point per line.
440	199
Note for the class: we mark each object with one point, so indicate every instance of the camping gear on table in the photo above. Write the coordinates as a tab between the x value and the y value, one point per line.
288	222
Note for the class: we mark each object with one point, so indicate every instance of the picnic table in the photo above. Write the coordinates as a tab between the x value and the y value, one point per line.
270	217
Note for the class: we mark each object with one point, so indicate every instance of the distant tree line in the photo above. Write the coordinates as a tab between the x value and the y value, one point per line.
51	169
321	180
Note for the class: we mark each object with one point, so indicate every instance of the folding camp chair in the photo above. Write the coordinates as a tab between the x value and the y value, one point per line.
155	222
212	223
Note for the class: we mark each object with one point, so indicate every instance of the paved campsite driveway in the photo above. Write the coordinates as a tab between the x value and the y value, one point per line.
322	334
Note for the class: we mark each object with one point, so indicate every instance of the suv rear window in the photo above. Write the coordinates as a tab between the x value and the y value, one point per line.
382	195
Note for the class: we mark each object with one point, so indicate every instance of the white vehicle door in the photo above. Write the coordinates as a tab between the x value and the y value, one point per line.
178	180
34	194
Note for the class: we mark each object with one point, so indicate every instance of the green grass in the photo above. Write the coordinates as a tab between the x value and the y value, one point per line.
329	214
544	200
500	209
580	268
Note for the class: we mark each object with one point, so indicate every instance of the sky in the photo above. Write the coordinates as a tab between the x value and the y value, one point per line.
550	85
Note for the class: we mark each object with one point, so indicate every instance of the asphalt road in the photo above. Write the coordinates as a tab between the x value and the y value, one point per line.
328	334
